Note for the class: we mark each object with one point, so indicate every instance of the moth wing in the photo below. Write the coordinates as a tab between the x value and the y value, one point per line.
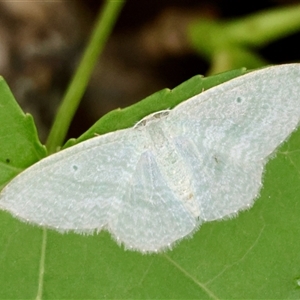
227	134
77	188
150	216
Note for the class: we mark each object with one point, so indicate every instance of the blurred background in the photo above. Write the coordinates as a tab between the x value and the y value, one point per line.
151	48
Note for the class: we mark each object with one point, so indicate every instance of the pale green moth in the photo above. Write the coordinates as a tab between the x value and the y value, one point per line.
155	183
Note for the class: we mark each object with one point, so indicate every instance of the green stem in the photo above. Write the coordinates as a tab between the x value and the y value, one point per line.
76	89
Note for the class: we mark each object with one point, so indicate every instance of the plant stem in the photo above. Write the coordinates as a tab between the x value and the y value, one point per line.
76	89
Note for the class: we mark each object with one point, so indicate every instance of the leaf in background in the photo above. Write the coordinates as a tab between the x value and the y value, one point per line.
19	144
229	44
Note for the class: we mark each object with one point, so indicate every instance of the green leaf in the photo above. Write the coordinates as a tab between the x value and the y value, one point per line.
255	30
252	256
19	143
231	44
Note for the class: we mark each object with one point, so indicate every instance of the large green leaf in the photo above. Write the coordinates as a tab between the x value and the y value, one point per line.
255	255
